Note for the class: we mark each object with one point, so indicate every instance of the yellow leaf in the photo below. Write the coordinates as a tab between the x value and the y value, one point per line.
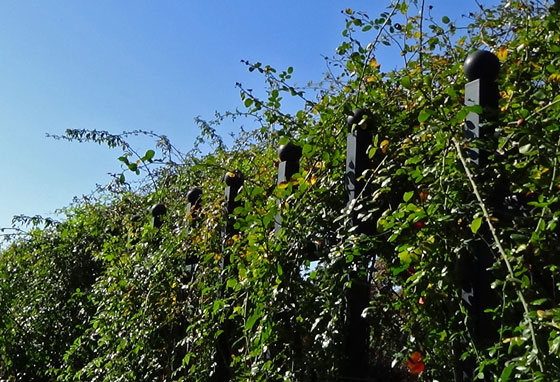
383	145
502	53
554	77
374	64
543	314
513	340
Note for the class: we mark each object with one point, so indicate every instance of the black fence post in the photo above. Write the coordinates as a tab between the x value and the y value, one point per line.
481	69
358	140
234	181
289	155
193	196
355	365
158	212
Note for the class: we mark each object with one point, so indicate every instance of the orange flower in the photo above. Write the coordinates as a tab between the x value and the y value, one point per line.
415	363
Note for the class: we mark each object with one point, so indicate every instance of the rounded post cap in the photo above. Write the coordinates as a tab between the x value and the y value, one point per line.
357	117
194	194
234	178
289	152
482	64
158	210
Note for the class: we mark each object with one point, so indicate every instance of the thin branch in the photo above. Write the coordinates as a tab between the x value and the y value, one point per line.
421	40
501	250
373	44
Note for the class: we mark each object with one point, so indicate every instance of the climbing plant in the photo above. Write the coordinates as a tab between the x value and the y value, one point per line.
106	294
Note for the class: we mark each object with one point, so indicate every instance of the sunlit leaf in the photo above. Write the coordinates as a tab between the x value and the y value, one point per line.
475	224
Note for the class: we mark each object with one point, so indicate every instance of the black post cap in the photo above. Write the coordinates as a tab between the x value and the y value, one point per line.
193	196
289	152
357	117
234	179
158	210
482	64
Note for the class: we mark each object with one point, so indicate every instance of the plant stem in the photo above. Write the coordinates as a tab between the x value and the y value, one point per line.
499	246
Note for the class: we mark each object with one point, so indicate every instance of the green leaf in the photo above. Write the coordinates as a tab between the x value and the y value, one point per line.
408	195
279	270
231	283
283	141
248	102
251	322
539	301
506	373
149	155
423	116
525	148
445	20
475	225
406	82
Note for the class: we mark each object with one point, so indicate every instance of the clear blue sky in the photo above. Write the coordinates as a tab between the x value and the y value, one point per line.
152	65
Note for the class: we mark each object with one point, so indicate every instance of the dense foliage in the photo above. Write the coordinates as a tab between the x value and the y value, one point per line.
105	295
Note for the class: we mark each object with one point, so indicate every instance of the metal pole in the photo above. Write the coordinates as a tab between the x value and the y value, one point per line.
355	364
481	69
289	155
234	181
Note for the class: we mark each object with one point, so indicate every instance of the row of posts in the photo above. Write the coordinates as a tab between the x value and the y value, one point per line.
481	69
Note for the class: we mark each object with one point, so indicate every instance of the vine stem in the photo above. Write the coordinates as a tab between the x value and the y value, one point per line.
499	246
373	46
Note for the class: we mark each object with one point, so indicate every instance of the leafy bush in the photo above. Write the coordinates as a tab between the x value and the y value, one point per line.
106	295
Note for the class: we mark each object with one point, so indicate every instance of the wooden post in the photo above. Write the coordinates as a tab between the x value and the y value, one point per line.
481	69
355	365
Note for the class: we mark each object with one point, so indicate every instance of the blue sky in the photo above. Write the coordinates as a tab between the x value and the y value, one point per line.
152	65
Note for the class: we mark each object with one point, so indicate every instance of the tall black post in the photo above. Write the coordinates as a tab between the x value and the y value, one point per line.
355	365
158	212
481	69
289	155
193	196
234	181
